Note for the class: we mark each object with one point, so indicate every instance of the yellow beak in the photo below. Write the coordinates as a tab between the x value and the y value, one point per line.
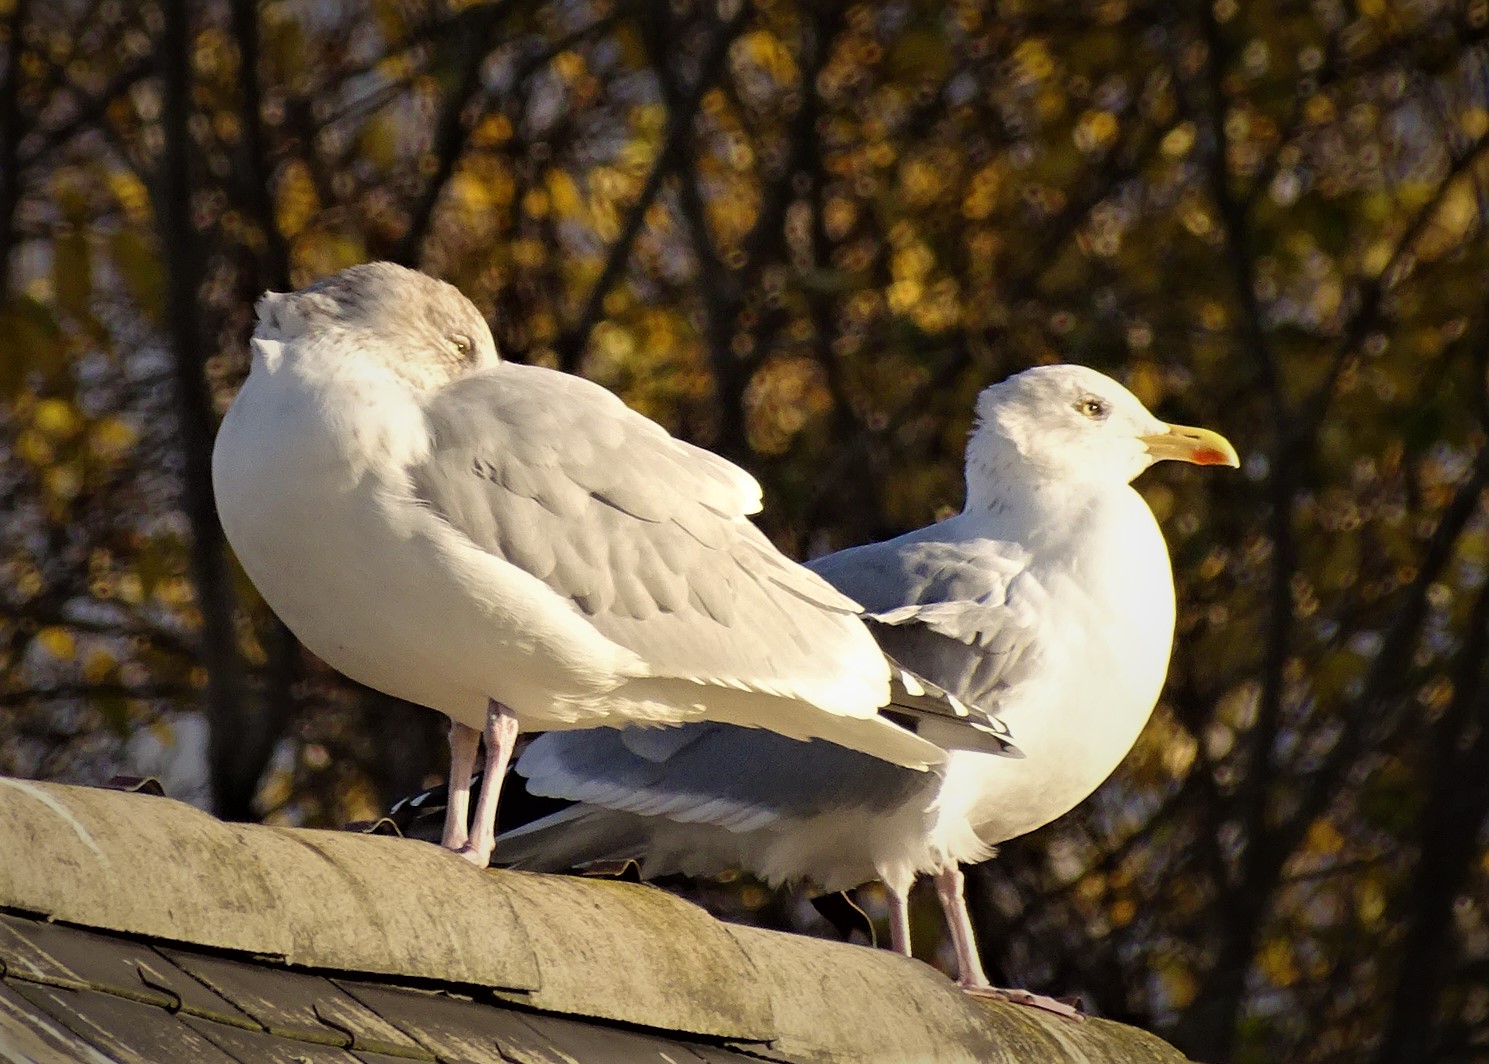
1199	446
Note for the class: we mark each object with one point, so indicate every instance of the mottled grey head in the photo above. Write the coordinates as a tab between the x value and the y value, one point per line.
421	328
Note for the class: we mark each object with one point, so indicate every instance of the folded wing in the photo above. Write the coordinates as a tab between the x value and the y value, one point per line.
963	613
646	536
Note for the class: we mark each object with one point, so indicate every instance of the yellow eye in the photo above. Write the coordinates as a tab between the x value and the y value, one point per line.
463	344
1092	407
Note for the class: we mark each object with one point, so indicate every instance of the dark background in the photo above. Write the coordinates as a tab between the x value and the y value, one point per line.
805	235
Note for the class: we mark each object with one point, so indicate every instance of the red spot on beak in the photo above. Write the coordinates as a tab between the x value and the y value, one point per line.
1210	456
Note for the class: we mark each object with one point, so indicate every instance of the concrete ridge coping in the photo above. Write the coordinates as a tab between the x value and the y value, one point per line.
399	909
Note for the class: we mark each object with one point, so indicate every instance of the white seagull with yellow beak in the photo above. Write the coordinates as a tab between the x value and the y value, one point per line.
1048	600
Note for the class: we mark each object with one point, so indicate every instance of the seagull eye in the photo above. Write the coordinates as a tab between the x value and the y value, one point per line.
463	345
1092	407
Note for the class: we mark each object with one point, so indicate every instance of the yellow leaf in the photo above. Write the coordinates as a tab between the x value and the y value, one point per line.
64	481
34	448
1324	838
130	589
297	199
1032	60
1095	131
981	199
903	295
564	193
57	418
1178	141
58	642
275	790
569	65
920	181
535	203
1178	754
1180	985
98	666
1319	109
470	191
491	130
1377	256
767	52
131	194
1278	963
110	437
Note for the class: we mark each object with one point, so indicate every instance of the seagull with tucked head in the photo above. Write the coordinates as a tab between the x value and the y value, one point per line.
1048	600
516	548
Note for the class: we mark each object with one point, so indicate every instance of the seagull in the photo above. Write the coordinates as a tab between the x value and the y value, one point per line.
1048	600
517	549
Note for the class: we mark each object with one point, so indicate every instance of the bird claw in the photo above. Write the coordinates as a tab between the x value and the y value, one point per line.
1069	1008
474	855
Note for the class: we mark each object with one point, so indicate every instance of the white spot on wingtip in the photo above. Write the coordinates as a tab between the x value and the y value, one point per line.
911	684
956	704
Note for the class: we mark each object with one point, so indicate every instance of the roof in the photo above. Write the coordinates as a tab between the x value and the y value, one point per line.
137	928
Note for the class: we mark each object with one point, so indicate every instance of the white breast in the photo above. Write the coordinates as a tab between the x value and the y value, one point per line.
1078	719
1074	722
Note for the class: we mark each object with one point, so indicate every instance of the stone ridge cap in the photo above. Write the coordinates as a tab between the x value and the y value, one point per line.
407	914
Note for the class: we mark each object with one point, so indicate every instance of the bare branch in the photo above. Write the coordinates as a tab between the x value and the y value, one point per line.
570	345
1448	843
1282	480
450	130
11	131
1371	296
257	171
174	693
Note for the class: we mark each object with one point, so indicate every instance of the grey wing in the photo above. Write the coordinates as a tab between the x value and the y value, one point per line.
740	779
964	614
645	535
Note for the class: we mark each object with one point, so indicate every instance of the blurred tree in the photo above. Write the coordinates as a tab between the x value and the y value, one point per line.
806	234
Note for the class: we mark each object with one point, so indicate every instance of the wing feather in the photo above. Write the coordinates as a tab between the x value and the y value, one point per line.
645	535
713	774
963	613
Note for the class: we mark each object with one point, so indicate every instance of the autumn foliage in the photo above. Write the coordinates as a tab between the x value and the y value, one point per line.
805	235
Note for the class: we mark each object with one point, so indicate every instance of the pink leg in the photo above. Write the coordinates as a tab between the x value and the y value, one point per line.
950	889
899	920
463	743
500	736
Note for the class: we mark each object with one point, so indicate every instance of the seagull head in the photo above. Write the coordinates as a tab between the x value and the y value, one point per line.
421	329
1075	425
